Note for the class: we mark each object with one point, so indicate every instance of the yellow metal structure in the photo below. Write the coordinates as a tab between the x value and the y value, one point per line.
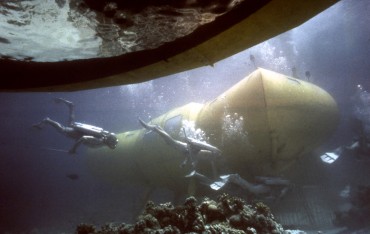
262	124
272	19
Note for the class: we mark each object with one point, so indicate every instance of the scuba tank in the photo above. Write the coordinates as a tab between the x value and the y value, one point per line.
87	129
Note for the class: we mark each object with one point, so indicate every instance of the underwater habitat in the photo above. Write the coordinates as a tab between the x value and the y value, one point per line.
274	138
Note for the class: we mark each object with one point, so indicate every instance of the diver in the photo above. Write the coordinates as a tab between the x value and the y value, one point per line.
361	123
193	149
360	145
86	134
196	150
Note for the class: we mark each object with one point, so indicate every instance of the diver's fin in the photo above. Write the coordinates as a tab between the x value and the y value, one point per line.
329	157
217	185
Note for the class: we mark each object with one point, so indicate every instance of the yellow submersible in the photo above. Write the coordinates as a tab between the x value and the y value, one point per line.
262	125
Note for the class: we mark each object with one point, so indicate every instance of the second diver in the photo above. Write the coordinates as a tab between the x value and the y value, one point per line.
86	134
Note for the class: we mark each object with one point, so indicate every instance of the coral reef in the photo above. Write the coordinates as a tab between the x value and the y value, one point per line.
226	215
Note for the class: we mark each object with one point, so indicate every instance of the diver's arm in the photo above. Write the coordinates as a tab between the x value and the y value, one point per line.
147	126
88	140
182	146
198	145
203	146
71	107
179	145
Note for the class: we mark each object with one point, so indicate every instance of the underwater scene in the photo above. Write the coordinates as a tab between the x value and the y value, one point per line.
274	139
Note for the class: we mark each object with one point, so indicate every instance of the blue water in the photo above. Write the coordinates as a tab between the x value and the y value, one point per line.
35	192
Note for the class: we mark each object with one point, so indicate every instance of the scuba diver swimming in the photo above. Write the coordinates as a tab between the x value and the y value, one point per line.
86	134
360	145
195	150
192	148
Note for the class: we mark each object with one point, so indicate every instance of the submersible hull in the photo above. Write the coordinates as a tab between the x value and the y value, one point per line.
262	125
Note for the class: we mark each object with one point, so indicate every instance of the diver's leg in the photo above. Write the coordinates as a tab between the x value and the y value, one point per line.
189	160
244	184
274	181
55	124
71	108
181	146
200	177
278	186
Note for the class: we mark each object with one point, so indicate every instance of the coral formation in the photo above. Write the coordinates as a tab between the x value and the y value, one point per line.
226	215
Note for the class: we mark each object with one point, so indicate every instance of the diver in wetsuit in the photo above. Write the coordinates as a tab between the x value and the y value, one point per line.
361	125
195	150
86	134
192	148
